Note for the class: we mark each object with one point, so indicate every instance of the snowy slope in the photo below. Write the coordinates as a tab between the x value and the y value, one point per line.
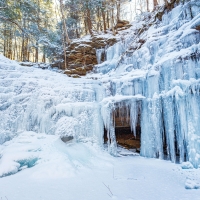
81	170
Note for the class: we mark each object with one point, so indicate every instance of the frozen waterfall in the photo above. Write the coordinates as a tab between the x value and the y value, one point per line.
155	85
48	102
160	82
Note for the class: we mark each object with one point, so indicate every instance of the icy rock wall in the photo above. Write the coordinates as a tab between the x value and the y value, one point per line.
112	54
47	102
164	74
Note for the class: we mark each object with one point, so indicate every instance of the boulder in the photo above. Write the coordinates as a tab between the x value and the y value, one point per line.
81	71
89	67
122	24
66	139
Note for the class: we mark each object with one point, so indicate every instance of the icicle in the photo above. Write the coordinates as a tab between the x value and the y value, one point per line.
134	116
151	124
107	111
168	113
181	128
99	53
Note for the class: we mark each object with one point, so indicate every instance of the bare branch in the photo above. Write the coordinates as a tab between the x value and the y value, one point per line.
108	189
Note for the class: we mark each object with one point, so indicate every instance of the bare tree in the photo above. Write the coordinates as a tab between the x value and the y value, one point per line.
65	34
147	1
155	3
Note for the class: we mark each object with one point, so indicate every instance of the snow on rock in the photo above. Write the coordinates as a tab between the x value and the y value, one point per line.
191	184
18	154
4	60
186	165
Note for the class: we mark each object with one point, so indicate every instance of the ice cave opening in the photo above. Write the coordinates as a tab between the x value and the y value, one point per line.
124	134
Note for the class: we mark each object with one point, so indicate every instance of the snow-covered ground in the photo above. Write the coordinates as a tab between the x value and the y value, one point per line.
81	170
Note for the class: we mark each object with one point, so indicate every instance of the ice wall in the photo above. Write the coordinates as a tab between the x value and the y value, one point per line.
163	75
48	102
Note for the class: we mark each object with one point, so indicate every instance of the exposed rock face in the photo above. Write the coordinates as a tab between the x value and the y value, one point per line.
122	25
81	53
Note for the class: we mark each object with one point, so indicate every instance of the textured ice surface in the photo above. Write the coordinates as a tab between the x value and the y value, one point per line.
160	81
47	102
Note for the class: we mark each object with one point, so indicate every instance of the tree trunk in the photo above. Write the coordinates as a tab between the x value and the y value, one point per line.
86	29
64	24
108	21
10	45
25	49
112	18
36	52
4	45
155	3
44	58
103	16
65	34
98	20
118	9
77	31
89	23
147	1
104	20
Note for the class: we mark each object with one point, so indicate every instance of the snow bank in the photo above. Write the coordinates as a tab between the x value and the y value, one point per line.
191	184
157	81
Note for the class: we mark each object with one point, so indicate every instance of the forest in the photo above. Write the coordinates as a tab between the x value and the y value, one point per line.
36	30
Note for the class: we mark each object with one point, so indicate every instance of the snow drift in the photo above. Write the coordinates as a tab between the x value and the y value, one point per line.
158	81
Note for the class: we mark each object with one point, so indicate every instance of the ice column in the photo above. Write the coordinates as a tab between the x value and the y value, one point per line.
151	128
99	53
107	114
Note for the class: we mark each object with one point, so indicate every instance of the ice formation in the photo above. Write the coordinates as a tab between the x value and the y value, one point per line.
48	103
155	85
160	82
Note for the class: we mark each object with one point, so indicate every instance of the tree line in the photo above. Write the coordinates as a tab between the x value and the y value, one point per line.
34	30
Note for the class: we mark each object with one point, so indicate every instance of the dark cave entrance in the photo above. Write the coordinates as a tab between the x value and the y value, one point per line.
126	138
124	135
